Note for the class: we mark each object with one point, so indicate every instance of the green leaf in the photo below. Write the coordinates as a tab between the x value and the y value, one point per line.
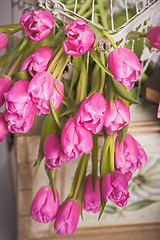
79	175
139	204
76	71
49	174
98	61
122	92
46	130
122	133
24	75
9	26
98	34
4	59
105	161
54	116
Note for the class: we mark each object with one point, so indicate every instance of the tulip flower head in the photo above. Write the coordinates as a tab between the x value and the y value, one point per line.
37	24
42	89
129	156
67	218
116	117
153	36
80	38
76	139
44	207
3	40
53	151
91	198
5	85
91	113
115	188
158	113
37	61
20	109
125	66
3	127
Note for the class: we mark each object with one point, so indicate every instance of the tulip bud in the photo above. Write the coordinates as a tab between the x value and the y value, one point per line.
116	117
3	127
91	113
42	89
37	61
3	40
91	198
129	156
67	218
153	36
53	151
76	139
80	38
5	85
44	207
37	24
125	66
115	188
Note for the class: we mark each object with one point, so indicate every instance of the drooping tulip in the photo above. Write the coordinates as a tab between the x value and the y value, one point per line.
37	61
153	36
37	24
42	89
76	139
91	113
67	218
80	38
115	188
116	117
3	127
5	85
53	151
44	207
3	40
129	156
125	66
91	198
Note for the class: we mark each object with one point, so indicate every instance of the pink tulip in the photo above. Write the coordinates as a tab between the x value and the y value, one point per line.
53	151
80	38
117	117
3	127
16	123
76	139
37	24
42	89
115	188
20	109
18	100
129	156
91	113
3	40
125	66
91	199
67	218
153	36
37	61
5	85
158	113
44	207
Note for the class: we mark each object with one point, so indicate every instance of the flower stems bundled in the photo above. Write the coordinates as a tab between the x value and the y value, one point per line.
93	103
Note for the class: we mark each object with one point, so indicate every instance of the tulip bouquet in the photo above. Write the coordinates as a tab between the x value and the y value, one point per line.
94	102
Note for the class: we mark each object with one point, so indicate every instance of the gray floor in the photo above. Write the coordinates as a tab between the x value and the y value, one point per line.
7	206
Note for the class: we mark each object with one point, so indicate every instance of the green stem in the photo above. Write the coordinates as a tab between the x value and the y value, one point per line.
84	7
55	60
81	174
61	72
111	153
95	159
110	39
14	66
102	12
102	74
